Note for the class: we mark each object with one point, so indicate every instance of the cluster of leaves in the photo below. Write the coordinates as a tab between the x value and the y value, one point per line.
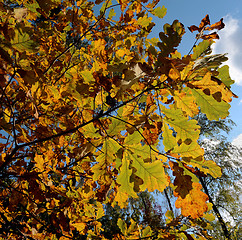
86	97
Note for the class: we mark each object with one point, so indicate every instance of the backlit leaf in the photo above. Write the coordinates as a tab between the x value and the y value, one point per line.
201	48
194	204
185	129
159	12
124	177
212	108
23	42
152	174
224	75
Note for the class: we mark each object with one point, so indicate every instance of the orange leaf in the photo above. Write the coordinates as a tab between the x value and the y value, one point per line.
194	204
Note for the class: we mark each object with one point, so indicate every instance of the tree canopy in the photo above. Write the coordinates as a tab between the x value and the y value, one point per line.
93	112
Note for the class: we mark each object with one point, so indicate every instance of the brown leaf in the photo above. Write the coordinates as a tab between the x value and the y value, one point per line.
213	35
218	25
182	182
193	28
205	21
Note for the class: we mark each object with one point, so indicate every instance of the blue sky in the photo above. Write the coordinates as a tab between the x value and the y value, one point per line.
191	12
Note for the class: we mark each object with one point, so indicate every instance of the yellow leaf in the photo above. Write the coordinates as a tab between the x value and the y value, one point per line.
120	52
174	74
39	162
79	226
214	87
169	140
192	150
152	174
186	102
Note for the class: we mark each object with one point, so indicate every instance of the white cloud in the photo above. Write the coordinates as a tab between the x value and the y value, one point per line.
238	141
230	42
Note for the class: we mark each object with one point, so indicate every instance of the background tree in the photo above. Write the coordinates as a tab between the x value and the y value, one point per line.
225	191
86	97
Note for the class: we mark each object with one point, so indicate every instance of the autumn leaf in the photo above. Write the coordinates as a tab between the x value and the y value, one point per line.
202	26
23	42
208	167
201	48
194	204
94	113
212	108
182	182
152	174
169	140
125	176
159	12
218	25
205	21
224	75
185	129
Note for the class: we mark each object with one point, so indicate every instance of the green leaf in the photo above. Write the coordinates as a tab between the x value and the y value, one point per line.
213	109
152	174
201	48
122	225
185	128
147	232
209	216
22	41
142	151
87	76
159	12
105	159
134	138
224	75
99	169
144	21
169	141
124	177
116	127
90	131
208	167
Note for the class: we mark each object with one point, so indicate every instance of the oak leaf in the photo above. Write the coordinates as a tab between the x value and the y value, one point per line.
194	204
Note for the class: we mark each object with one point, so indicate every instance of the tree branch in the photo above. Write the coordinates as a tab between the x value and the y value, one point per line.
221	221
9	157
